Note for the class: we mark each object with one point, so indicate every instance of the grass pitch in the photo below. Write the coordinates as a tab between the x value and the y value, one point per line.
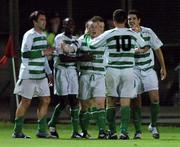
169	137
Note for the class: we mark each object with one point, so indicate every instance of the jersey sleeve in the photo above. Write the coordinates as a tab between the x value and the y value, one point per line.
155	41
47	68
57	42
99	41
76	44
27	43
140	41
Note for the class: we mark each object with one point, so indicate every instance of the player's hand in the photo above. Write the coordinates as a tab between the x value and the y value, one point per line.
138	51
47	52
136	28
163	73
50	80
66	48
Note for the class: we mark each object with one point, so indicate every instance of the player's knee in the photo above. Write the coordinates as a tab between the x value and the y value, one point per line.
110	102
46	100
25	102
135	103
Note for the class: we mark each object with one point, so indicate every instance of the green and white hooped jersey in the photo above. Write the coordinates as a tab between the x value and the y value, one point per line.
121	44
58	40
145	61
34	65
97	65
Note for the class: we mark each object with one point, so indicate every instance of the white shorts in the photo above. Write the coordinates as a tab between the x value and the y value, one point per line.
91	86
32	88
120	83
146	80
66	81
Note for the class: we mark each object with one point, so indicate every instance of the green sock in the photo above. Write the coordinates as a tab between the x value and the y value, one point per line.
136	116
42	125
111	112
84	121
93	114
125	118
55	115
75	119
100	119
18	124
154	113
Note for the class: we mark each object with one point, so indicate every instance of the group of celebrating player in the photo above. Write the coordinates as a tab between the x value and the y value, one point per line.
91	74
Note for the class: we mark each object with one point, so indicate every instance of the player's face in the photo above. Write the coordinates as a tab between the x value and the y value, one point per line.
133	21
41	22
92	29
100	28
69	25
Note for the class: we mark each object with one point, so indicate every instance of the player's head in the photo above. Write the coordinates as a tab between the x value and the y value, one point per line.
100	24
134	18
68	25
119	16
38	19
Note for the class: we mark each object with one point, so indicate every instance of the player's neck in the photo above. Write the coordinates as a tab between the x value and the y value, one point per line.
37	29
120	25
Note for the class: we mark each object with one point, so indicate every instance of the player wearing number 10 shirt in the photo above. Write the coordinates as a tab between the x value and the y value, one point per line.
121	43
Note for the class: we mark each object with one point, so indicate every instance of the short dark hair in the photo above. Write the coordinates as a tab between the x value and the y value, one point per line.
135	12
119	16
34	15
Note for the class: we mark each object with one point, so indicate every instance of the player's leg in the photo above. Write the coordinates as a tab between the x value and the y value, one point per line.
125	117
151	86
84	117
98	92
112	81
74	105
60	89
25	88
73	88
63	101
136	103
100	116
44	96
41	114
20	112
154	108
127	90
136	115
85	100
110	115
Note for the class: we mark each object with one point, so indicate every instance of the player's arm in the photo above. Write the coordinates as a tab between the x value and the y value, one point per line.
100	40
142	46
160	58
142	50
70	48
49	72
83	57
27	52
156	45
66	58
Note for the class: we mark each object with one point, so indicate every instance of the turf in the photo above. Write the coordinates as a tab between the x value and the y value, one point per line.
170	137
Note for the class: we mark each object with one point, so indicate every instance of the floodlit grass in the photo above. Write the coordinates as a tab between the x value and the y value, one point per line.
170	137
